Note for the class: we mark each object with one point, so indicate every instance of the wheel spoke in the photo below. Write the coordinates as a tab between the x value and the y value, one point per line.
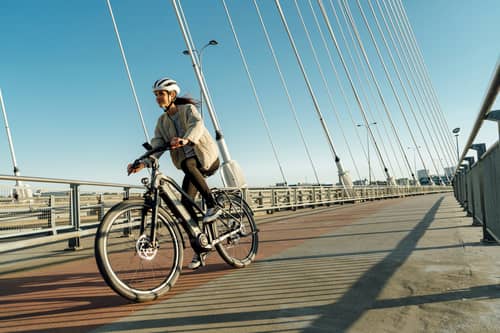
135	266
236	230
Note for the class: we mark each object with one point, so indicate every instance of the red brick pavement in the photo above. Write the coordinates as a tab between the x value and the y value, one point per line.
73	296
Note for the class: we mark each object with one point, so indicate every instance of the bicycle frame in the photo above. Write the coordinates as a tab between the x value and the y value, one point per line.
165	188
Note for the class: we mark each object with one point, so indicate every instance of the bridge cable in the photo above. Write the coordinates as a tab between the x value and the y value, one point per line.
345	7
388	76
424	73
408	80
407	53
127	70
9	139
368	84
285	87
339	83
356	95
343	175
329	93
437	111
257	99
350	22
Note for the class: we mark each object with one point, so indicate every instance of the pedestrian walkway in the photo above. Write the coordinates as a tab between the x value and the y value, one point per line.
400	265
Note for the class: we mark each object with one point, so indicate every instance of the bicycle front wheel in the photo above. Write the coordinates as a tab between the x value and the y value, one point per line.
133	265
236	231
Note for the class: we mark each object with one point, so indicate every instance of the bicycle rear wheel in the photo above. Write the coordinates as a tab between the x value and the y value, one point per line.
237	229
134	266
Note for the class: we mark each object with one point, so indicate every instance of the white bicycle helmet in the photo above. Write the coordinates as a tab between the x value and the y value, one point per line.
166	84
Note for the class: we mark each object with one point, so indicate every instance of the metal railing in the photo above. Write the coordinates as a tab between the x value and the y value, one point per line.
54	214
271	199
76	210
477	183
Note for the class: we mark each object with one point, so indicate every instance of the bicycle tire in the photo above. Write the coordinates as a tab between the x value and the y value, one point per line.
239	248
131	265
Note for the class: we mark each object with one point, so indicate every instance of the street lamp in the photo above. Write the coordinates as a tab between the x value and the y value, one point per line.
212	42
368	149
456	131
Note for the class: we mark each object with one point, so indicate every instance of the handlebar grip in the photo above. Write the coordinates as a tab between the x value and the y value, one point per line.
136	164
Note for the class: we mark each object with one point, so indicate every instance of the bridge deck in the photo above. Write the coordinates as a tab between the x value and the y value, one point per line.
400	265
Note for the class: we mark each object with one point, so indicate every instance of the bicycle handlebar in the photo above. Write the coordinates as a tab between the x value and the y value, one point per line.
149	153
155	150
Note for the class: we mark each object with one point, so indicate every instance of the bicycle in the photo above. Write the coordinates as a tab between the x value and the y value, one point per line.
139	244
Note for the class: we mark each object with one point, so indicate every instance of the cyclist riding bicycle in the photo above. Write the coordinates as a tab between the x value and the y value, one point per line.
193	149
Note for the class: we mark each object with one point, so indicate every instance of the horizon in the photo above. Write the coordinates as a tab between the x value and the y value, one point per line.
72	114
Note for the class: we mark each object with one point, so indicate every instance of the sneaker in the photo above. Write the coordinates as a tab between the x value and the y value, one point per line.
212	214
196	262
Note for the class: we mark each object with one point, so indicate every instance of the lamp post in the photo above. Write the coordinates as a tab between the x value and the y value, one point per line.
368	150
230	170
212	42
456	131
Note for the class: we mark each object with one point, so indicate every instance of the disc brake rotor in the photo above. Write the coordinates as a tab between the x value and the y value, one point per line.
145	249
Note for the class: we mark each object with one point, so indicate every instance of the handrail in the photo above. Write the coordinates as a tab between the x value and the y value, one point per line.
43	221
65	181
488	101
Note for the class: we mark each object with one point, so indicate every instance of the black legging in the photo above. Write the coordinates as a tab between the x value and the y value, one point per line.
194	182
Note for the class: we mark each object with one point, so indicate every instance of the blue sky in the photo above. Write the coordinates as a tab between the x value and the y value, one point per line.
72	113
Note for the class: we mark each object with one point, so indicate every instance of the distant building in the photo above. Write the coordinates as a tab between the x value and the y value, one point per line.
403	181
361	182
424	173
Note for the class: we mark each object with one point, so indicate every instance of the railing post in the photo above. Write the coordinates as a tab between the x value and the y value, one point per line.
487	237
472	209
244	193
460	185
52	215
100	209
260	200
295	203
74	243
126	193
275	194
470	189
245	196
313	201
465	189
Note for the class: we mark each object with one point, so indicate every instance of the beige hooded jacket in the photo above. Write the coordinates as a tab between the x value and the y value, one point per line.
204	145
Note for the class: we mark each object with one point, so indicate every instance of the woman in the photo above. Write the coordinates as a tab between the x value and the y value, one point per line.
193	149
